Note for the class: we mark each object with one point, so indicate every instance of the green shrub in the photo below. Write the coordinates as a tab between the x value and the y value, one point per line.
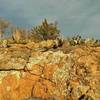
46	30
19	35
97	43
4	43
76	40
4	24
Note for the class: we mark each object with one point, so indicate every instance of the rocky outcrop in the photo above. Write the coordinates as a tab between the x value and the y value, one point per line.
13	58
27	73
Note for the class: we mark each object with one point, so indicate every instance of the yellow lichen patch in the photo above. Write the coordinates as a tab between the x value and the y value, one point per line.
25	87
35	53
89	62
10	80
2	75
40	90
31	76
1	92
49	70
8	88
49	85
30	45
10	85
36	69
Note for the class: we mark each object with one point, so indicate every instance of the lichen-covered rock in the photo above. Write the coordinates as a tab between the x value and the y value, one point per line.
13	58
26	74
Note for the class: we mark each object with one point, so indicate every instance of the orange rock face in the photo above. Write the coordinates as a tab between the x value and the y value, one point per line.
51	75
9	87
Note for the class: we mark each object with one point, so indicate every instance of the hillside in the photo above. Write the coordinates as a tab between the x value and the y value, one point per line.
37	71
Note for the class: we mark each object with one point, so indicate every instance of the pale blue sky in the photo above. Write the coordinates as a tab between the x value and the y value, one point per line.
73	16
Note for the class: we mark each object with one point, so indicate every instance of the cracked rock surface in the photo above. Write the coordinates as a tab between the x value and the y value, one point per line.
13	58
26	74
